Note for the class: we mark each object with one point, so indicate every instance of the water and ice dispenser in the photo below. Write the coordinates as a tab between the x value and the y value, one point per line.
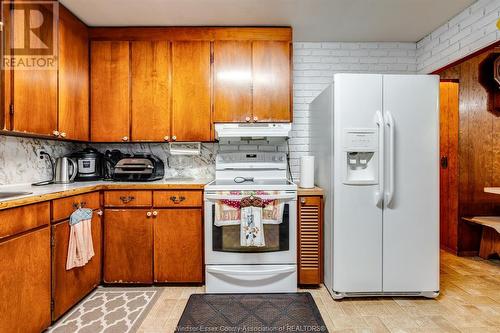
360	156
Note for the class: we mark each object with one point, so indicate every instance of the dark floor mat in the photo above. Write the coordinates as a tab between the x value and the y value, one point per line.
293	312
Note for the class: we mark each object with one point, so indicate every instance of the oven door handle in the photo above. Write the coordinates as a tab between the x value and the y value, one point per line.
213	197
247	272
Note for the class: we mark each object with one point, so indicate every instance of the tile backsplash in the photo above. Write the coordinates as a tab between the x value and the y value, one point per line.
19	161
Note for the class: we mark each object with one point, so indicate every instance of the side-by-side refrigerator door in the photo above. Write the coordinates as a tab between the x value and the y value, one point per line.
411	203
357	223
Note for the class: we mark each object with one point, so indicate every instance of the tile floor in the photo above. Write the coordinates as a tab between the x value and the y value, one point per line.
469	302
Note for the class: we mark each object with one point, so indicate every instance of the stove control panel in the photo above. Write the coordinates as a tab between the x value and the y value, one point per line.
251	160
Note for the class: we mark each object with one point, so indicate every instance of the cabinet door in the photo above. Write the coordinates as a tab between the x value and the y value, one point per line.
150	78
191	109
73	120
34	90
271	81
310	220
178	241
128	246
110	113
25	282
232	81
69	287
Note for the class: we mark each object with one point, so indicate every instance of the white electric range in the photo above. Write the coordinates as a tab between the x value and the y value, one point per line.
230	267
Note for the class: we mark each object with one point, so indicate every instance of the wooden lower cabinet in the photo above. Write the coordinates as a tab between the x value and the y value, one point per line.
25	282
310	240
178	245
128	246
69	287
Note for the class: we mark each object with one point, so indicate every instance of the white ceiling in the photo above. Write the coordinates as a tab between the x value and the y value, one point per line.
312	20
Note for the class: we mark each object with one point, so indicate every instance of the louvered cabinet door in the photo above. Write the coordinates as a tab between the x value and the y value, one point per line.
310	220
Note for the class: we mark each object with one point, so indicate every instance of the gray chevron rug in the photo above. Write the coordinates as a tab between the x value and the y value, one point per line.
293	312
108	310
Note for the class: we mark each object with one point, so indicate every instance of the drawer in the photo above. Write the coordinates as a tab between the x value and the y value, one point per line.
17	220
177	198
128	199
62	208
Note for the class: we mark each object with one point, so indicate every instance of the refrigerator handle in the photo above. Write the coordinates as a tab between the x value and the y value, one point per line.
379	195
389	195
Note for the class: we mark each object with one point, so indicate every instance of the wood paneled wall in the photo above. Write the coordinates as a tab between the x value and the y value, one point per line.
478	150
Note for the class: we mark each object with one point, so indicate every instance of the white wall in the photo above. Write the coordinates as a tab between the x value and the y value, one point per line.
314	66
471	30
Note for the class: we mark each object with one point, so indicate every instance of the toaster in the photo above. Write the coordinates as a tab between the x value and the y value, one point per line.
139	167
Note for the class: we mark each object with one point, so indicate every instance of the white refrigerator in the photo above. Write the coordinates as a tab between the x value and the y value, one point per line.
376	141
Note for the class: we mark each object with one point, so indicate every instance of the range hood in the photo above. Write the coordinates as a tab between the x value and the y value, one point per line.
252	131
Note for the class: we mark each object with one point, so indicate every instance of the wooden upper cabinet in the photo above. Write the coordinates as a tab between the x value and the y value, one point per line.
271	81
73	101
34	90
150	79
110	105
232	81
191	104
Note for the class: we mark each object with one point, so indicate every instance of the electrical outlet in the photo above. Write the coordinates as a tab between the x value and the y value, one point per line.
38	152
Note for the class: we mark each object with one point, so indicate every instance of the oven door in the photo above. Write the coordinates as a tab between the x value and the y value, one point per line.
222	244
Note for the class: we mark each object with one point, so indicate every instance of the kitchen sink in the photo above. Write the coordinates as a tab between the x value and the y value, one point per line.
6	195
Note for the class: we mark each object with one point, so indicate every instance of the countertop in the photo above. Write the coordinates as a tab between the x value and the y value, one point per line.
55	191
494	190
315	191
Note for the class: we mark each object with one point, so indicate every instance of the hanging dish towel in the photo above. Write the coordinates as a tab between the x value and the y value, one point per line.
81	248
251	230
227	212
272	212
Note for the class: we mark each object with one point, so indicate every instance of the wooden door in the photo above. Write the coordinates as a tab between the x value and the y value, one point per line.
271	81
110	112
34	90
150	79
25	282
73	120
191	109
310	236
128	246
69	287
178	245
449	165
232	81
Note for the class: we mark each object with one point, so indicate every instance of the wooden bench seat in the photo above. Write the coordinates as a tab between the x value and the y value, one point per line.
490	238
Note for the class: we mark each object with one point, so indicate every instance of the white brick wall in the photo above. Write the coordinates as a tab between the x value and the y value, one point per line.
314	66
469	31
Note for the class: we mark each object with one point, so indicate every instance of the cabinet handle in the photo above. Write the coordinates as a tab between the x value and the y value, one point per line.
55	132
127	199
174	137
177	201
148	214
155	213
63	134
81	204
100	213
125	138
166	138
303	200
247	118
255	118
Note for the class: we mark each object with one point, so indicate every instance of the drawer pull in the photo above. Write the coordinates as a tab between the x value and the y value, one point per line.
176	200
127	199
77	205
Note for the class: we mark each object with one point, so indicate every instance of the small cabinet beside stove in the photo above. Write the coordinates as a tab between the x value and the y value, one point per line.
310	240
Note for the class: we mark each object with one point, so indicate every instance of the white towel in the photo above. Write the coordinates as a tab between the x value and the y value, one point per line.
251	229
